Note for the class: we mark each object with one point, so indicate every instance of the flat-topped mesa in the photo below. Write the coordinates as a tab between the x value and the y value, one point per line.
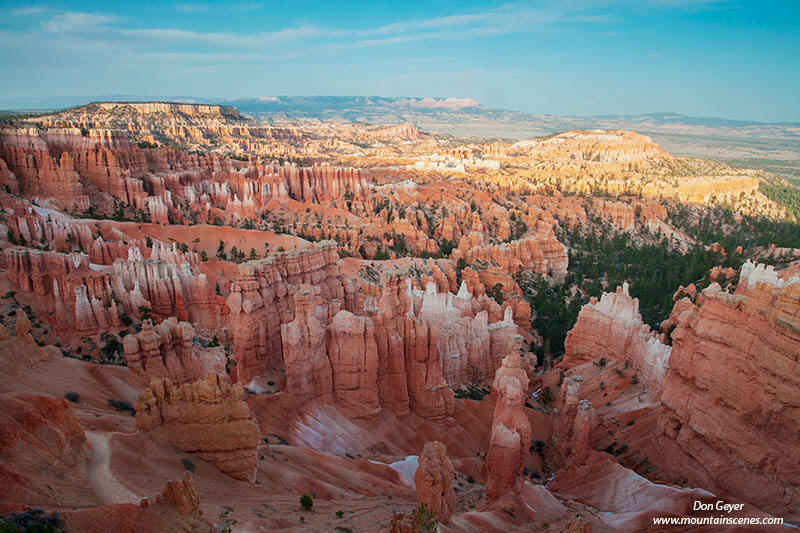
260	301
434	481
615	146
208	418
168	351
406	131
731	392
612	328
511	430
172	108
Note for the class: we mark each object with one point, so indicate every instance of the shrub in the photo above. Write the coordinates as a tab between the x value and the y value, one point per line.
424	519
339	514
188	464
32	521
145	312
122	406
73	397
306	502
496	292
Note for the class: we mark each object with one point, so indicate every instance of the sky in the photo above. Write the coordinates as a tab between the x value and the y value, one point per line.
723	58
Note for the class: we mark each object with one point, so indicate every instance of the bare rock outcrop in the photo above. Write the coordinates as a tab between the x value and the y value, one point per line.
260	302
353	355
41	442
511	430
612	328
434	480
168	351
730	395
308	369
577	419
208	418
176	508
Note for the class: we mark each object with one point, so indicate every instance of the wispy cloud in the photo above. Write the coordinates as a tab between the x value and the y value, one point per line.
503	20
71	22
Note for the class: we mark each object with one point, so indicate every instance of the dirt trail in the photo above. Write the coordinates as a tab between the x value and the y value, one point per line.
106	486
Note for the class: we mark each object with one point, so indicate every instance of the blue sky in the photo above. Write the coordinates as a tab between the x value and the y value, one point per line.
725	58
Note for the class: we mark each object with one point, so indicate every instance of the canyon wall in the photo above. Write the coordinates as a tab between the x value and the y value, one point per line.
731	397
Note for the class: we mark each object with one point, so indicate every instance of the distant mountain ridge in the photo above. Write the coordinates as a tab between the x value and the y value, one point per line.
301	105
771	146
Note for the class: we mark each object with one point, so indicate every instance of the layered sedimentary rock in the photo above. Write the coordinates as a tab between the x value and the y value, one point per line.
541	253
612	328
399	347
308	368
208	418
61	234
168	351
39	173
597	145
511	430
81	297
353	354
91	298
260	302
572	434
434	480
620	215
731	393
41	441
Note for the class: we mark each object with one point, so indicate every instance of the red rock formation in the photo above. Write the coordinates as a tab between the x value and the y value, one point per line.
619	214
208	418
572	434
176	508
613	329
353	355
511	429
168	351
541	253
22	327
38	173
434	481
730	394
41	441
260	303
57	233
308	369
8	179
406	131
